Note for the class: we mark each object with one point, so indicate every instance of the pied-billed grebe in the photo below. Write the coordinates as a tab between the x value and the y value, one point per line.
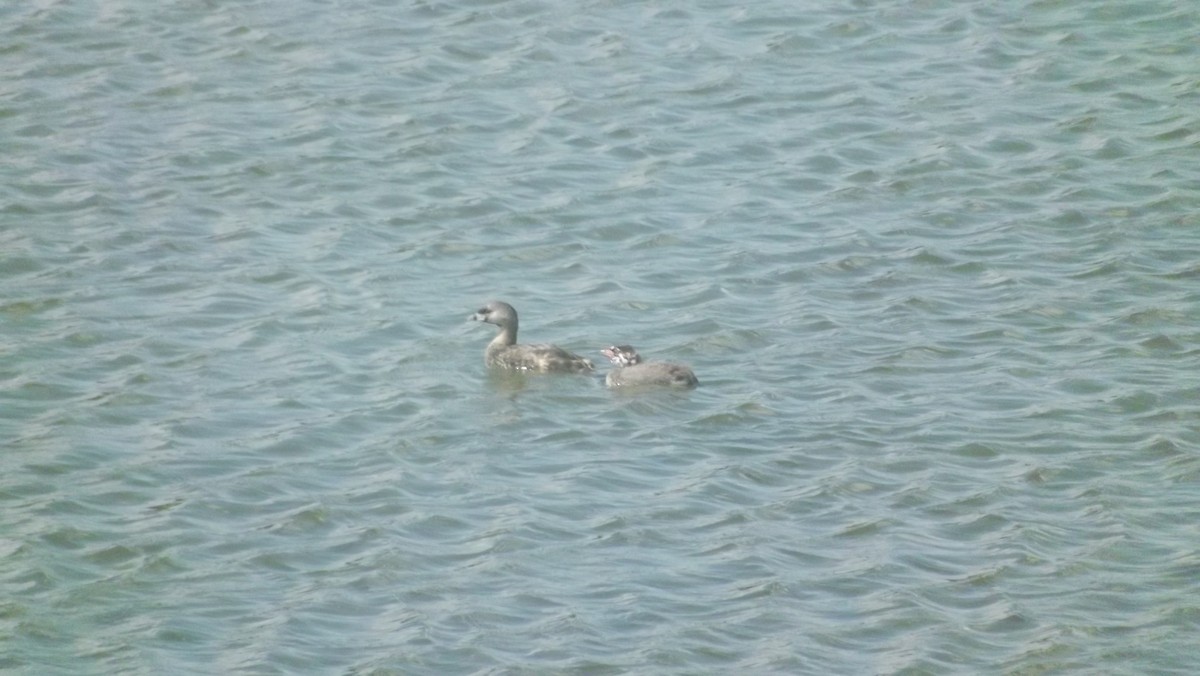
632	371
504	353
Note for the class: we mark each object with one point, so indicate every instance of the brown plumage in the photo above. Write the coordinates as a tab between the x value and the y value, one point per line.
504	352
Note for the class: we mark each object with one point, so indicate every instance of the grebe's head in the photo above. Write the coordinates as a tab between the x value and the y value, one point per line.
496	312
621	355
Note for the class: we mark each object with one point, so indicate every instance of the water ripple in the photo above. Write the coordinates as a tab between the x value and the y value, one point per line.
939	305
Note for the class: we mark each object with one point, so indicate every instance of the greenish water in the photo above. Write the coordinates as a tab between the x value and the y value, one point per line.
935	264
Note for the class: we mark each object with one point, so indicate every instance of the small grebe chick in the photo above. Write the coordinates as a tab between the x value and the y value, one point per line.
632	371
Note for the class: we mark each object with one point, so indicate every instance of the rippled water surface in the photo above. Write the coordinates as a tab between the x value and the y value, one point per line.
936	264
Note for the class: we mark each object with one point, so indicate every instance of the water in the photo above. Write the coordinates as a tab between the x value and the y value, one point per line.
934	263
